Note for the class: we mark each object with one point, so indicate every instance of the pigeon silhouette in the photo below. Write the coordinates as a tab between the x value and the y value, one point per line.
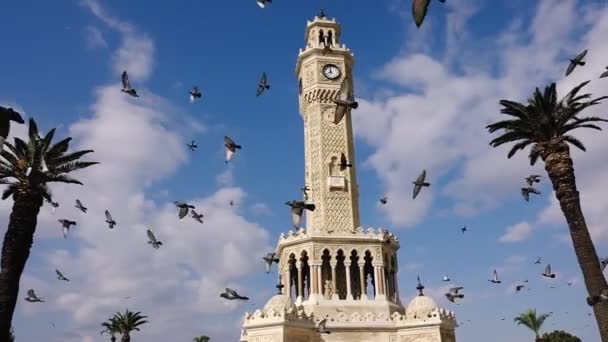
537	262
183	208
419	183
270	258
604	263
54	206
463	229
518	288
446	278
109	220
231	203
152	240
548	273
80	206
344	101
297	209
32	298
605	73
305	191
533	179
495	279
453	294
262	3
263	85
231	148
419	10
231	294
126	85
60	276
197	216
383	200
343	163
577	61
321	327
525	192
192	146
6	116
194	94
66	224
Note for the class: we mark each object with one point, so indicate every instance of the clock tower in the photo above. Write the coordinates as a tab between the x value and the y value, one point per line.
321	67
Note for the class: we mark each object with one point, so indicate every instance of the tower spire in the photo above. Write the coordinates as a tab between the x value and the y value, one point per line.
420	287
321	13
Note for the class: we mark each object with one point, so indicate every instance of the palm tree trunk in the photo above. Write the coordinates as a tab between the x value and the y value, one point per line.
559	166
125	337
15	252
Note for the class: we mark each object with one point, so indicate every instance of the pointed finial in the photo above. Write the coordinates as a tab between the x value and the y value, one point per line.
280	287
420	287
321	14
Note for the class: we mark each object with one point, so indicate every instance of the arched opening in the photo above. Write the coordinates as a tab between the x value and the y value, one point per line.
368	273
355	275
305	275
300	86
333	166
340	275
330	38
293	277
321	38
325	272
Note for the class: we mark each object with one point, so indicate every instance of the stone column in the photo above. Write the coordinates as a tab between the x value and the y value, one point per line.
362	276
299	294
377	282
288	282
349	295
383	289
333	280
320	281
314	283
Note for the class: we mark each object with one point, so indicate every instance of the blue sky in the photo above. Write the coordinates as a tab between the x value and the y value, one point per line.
425	96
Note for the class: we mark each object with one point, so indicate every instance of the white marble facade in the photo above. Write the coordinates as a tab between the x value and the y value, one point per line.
333	269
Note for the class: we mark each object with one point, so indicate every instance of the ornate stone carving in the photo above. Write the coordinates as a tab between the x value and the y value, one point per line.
329	289
264	338
420	338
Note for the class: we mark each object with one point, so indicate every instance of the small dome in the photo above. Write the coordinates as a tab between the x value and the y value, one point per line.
279	303
420	307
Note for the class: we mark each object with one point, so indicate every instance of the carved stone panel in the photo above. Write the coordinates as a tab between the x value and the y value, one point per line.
265	338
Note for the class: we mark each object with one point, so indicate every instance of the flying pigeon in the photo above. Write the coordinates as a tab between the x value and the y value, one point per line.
453	294
383	200
231	148
305	191
262	3
32	298
604	263
269	259
569	283
54	206
343	163
537	262
297	208
533	179
192	146
463	229
605	74
197	216
578	60
602	297
152	240
6	116
109	220
321	327
419	183
194	94
495	278
548	273
446	278
344	100
419	9
518	288
231	203
263	84
183	208
80	206
126	85
66	224
60	276
231	294
525	192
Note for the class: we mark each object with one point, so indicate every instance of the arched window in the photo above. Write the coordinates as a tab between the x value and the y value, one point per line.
340	275
330	38
305	275
368	271
293	277
333	167
355	276
325	269
321	38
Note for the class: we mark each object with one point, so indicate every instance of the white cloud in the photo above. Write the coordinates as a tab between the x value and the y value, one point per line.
94	38
261	209
517	232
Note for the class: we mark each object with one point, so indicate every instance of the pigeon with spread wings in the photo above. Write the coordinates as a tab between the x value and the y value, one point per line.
548	273
344	101
577	61
531	179
495	279
60	276
126	85
344	163
54	206
231	294
297	209
262	3
270	258
80	206
525	192
109	220
32	298
66	224
6	116
453	294
605	73
194	94
183	208
192	146
419	10
197	216
419	183
263	85
604	263
152	240
231	148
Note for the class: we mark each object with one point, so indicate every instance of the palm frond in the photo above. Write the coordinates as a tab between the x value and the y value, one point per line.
72	166
61	178
68	157
9	191
33	130
59	148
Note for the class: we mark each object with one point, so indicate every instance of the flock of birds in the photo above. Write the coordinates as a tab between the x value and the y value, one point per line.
345	100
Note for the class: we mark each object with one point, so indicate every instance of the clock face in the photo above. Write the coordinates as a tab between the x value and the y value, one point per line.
331	71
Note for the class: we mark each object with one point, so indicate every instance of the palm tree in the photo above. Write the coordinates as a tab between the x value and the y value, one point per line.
111	327
546	123
32	165
559	336
203	338
529	319
127	322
